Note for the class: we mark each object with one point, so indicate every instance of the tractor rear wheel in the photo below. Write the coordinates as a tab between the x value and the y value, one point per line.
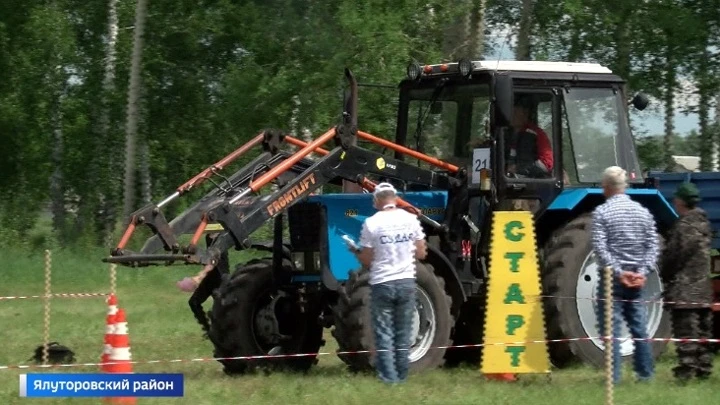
431	327
570	280
715	347
250	316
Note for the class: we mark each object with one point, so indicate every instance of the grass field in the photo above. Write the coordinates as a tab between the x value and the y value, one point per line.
162	328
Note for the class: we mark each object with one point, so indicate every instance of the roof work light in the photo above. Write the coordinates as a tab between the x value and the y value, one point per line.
465	66
414	71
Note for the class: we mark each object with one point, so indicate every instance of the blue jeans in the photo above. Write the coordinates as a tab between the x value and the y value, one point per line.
391	306
635	315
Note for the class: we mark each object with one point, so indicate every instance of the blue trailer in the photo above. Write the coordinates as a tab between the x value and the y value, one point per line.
708	183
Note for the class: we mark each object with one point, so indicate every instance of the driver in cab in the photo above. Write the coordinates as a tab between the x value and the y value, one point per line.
528	152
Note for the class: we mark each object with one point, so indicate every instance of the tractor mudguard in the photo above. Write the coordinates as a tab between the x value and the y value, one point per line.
574	201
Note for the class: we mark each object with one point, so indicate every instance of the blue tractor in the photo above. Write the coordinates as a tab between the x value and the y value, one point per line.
472	137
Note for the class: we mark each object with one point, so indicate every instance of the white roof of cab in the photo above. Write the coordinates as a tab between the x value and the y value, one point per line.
540	66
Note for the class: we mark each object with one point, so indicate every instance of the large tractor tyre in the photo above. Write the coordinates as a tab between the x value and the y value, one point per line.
251	317
469	331
432	324
715	347
570	280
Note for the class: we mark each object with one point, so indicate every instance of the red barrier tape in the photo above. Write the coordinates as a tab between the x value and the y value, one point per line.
280	356
660	301
65	295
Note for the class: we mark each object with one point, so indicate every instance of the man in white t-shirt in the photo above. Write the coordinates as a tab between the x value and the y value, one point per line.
390	242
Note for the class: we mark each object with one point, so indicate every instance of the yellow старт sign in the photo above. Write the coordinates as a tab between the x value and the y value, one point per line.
514	320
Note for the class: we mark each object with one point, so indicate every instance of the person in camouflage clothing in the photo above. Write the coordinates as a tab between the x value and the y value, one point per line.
685	265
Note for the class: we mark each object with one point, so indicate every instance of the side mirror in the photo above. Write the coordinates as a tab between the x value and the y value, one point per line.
640	101
503	100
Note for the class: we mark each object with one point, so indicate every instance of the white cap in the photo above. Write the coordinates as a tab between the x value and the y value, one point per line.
384	187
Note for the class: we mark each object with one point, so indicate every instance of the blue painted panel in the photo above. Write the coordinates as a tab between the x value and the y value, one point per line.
708	183
653	199
569	198
347	212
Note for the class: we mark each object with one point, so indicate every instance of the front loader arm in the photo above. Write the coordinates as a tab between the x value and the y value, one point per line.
351	165
242	214
151	216
241	211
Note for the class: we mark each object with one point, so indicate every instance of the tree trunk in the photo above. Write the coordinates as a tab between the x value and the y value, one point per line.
456	41
57	196
477	30
104	161
706	132
522	51
133	110
575	50
145	177
623	45
716	138
669	101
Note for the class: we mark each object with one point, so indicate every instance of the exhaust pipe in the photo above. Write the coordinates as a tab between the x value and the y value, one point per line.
348	131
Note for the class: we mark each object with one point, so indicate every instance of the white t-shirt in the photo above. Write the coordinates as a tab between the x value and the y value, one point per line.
391	235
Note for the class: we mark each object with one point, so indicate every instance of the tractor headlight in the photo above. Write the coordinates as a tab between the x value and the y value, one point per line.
414	70
299	261
465	66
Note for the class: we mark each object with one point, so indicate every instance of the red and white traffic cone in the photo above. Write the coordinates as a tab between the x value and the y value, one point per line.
109	331
501	377
108	344
120	354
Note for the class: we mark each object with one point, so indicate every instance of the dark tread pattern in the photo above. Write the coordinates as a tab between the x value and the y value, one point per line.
556	250
231	328
353	331
559	253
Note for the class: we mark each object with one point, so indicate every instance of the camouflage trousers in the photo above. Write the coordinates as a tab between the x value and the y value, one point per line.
392	305
694	359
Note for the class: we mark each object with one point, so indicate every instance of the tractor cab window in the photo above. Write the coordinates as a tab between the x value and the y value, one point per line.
529	145
599	134
447	121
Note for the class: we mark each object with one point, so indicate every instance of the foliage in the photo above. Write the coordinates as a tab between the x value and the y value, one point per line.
215	72
161	327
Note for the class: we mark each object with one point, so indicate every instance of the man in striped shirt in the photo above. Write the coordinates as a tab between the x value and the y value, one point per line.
624	238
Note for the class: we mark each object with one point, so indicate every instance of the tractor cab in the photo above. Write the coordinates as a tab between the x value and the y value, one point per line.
523	130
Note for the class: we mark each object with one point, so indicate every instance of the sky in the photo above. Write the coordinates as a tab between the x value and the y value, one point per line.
651	121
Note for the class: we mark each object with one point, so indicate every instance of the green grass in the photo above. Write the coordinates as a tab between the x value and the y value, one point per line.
162	328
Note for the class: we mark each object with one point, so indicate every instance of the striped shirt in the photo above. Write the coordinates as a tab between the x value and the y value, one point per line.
624	235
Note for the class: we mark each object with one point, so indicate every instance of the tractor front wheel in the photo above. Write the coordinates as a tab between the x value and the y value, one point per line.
432	323
250	316
570	280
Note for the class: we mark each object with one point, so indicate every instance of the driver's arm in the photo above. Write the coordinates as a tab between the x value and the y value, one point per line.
544	150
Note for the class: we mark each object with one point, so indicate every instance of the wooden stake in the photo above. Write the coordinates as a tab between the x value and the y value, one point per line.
608	280
46	334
